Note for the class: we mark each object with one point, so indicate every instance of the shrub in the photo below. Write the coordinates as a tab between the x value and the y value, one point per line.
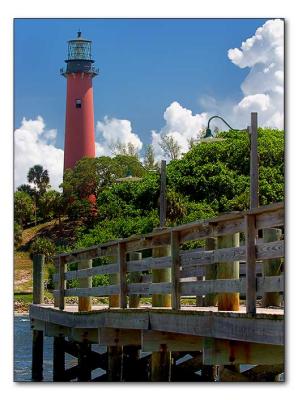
44	246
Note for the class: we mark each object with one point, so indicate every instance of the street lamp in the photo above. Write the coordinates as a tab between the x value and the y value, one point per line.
252	130
209	134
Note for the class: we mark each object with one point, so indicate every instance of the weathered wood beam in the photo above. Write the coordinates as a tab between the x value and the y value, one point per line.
95	291
263	328
84	273
155	340
149	263
119	337
224	352
149	288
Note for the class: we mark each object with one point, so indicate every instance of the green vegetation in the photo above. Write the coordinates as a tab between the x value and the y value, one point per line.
42	245
209	179
96	206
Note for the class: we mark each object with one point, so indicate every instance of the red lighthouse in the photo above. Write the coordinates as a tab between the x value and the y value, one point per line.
79	120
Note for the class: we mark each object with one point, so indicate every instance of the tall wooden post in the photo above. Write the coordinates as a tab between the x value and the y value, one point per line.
62	282
175	241
250	242
84	362
131	353
161	275
228	270
271	268
38	278
114	280
211	273
85	302
58	359
122	274
114	363
254	162
163	196
161	360
161	365
37	336
131	371
134	277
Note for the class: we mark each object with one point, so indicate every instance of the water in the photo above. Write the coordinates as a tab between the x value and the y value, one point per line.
23	352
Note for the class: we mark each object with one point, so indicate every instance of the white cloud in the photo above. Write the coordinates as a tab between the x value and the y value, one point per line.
263	90
112	131
181	125
35	145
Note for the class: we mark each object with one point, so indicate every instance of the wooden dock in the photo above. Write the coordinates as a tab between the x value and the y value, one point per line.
227	327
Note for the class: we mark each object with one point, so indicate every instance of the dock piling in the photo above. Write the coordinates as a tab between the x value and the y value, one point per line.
37	355
58	359
228	270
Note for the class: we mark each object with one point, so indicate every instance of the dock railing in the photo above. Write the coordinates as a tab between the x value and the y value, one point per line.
183	263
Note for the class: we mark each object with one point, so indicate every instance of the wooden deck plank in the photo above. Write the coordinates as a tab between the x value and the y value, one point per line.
267	326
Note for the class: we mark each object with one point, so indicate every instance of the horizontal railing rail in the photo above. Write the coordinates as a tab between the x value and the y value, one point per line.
192	263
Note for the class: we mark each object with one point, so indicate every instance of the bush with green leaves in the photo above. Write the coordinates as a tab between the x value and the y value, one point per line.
24	208
42	245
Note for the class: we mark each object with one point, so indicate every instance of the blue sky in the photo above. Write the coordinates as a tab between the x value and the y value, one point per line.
145	64
158	77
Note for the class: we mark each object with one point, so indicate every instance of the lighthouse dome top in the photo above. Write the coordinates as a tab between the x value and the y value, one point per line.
79	48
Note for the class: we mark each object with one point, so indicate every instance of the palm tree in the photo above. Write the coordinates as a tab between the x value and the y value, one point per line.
40	178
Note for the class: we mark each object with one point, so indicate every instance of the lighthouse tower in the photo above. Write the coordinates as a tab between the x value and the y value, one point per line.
79	120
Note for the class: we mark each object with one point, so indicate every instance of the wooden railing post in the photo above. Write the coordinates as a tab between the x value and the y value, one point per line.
161	275
131	353
122	274
56	282
271	267
175	241
61	283
251	282
161	360
211	273
134	277
228	270
114	280
85	302
38	278
254	162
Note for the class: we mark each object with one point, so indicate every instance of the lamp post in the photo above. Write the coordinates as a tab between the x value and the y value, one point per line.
231	301
252	130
